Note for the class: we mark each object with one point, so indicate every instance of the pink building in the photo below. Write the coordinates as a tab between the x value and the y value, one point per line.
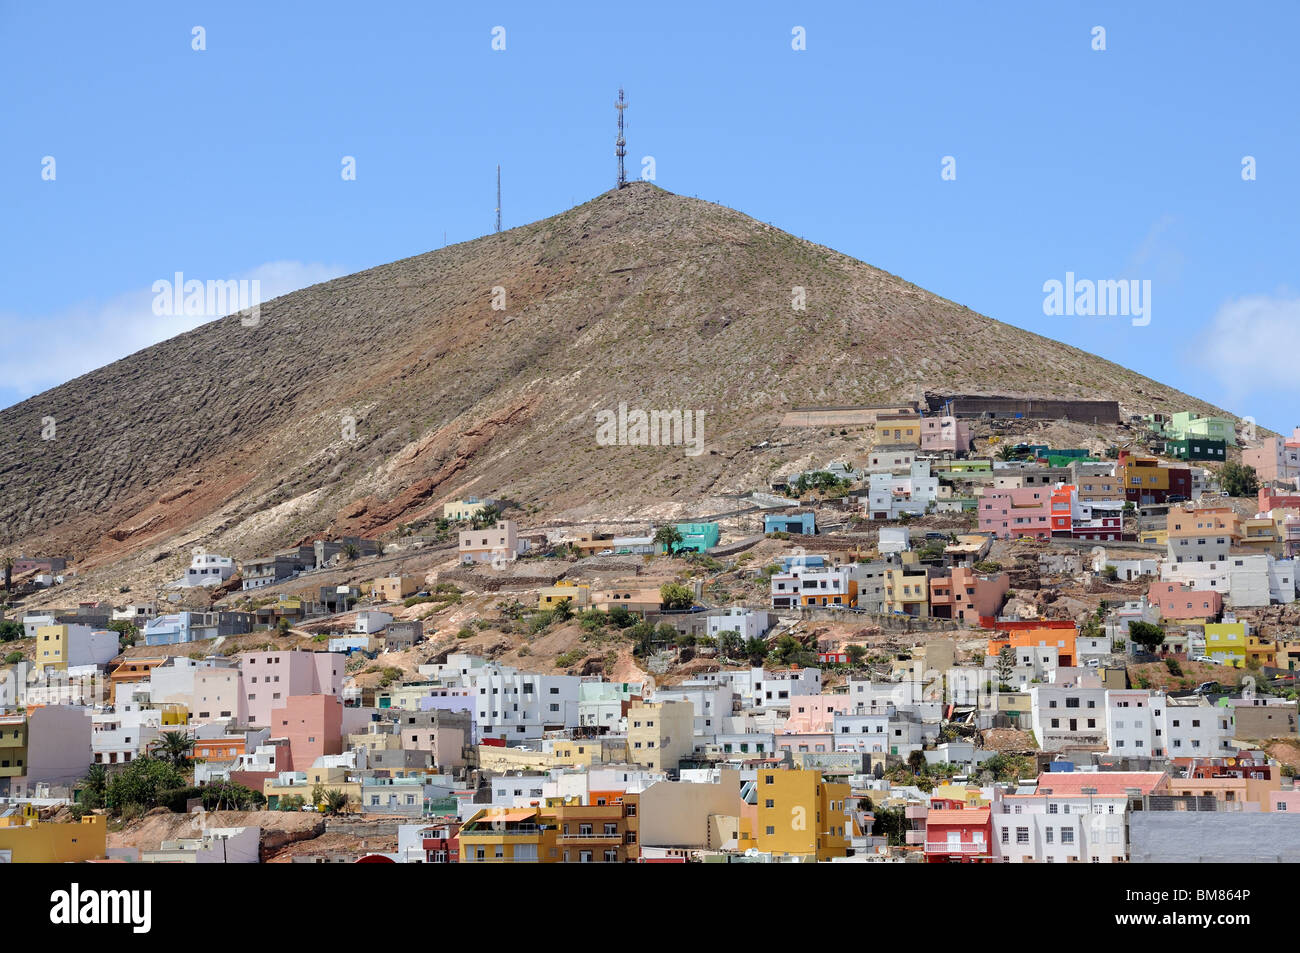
810	742
270	678
814	714
1009	512
1276	458
313	725
967	595
1177	601
945	434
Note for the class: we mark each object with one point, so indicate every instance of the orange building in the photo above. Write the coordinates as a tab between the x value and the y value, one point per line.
1040	633
219	749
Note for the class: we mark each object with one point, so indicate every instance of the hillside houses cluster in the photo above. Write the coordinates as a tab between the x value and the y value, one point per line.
990	731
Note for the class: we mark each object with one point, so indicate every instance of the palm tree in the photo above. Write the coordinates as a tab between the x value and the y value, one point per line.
334	801
9	573
351	551
669	538
176	747
563	610
94	785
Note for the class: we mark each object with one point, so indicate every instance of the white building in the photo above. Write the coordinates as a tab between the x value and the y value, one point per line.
518	706
208	569
890	496
371	621
749	623
1068	714
712	704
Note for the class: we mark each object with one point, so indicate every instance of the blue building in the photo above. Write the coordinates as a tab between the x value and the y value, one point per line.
698	537
804	524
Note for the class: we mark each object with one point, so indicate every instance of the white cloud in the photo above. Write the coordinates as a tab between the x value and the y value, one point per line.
46	350
1251	344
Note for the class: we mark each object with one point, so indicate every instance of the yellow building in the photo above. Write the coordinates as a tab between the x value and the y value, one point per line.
13	746
51	649
394	588
509	835
1261	535
907	593
1159	537
578	594
898	431
660	734
463	509
1286	654
801	815
1226	642
584	752
317	780
502	760
26	840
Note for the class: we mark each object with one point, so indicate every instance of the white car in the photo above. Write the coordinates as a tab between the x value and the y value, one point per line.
606	552
1204	658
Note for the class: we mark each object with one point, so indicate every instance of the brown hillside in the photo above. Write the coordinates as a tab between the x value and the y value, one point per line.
232	437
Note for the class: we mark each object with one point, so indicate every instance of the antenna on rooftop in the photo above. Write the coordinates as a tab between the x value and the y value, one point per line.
620	144
498	197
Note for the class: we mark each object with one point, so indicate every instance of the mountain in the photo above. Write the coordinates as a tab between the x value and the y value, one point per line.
238	438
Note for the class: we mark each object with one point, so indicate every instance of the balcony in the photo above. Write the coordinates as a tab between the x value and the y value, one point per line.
943	847
594	836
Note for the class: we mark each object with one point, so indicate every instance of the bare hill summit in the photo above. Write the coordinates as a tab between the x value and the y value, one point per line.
237	437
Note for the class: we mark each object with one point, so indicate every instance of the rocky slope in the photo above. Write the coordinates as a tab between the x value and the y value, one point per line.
365	402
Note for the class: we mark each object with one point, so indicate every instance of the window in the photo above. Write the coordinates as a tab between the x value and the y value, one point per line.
1022	835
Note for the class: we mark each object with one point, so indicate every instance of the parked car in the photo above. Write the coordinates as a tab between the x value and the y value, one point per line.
1204	658
1204	687
606	552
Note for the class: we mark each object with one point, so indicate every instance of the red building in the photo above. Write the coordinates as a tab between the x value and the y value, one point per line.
313	724
960	835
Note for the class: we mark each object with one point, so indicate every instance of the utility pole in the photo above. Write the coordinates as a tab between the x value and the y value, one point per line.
498	197
620	144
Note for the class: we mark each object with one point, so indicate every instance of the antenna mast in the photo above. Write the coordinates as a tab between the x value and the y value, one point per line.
498	197
620	144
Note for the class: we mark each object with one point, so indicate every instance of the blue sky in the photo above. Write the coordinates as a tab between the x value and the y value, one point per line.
225	163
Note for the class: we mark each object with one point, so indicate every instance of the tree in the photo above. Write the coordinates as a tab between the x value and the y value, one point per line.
786	646
891	823
856	654
669	538
351	551
916	761
13	658
1238	480
756	650
1006	662
563	610
1146	634
10	630
142	783
9	573
676	596
126	630
294	802
175	747
282	627
730	644
334	801
93	787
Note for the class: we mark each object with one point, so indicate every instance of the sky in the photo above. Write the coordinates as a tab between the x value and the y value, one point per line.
980	150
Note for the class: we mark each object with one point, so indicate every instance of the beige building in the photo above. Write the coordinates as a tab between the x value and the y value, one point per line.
660	734
499	541
464	509
394	588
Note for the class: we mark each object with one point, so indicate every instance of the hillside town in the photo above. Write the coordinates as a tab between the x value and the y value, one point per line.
962	643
